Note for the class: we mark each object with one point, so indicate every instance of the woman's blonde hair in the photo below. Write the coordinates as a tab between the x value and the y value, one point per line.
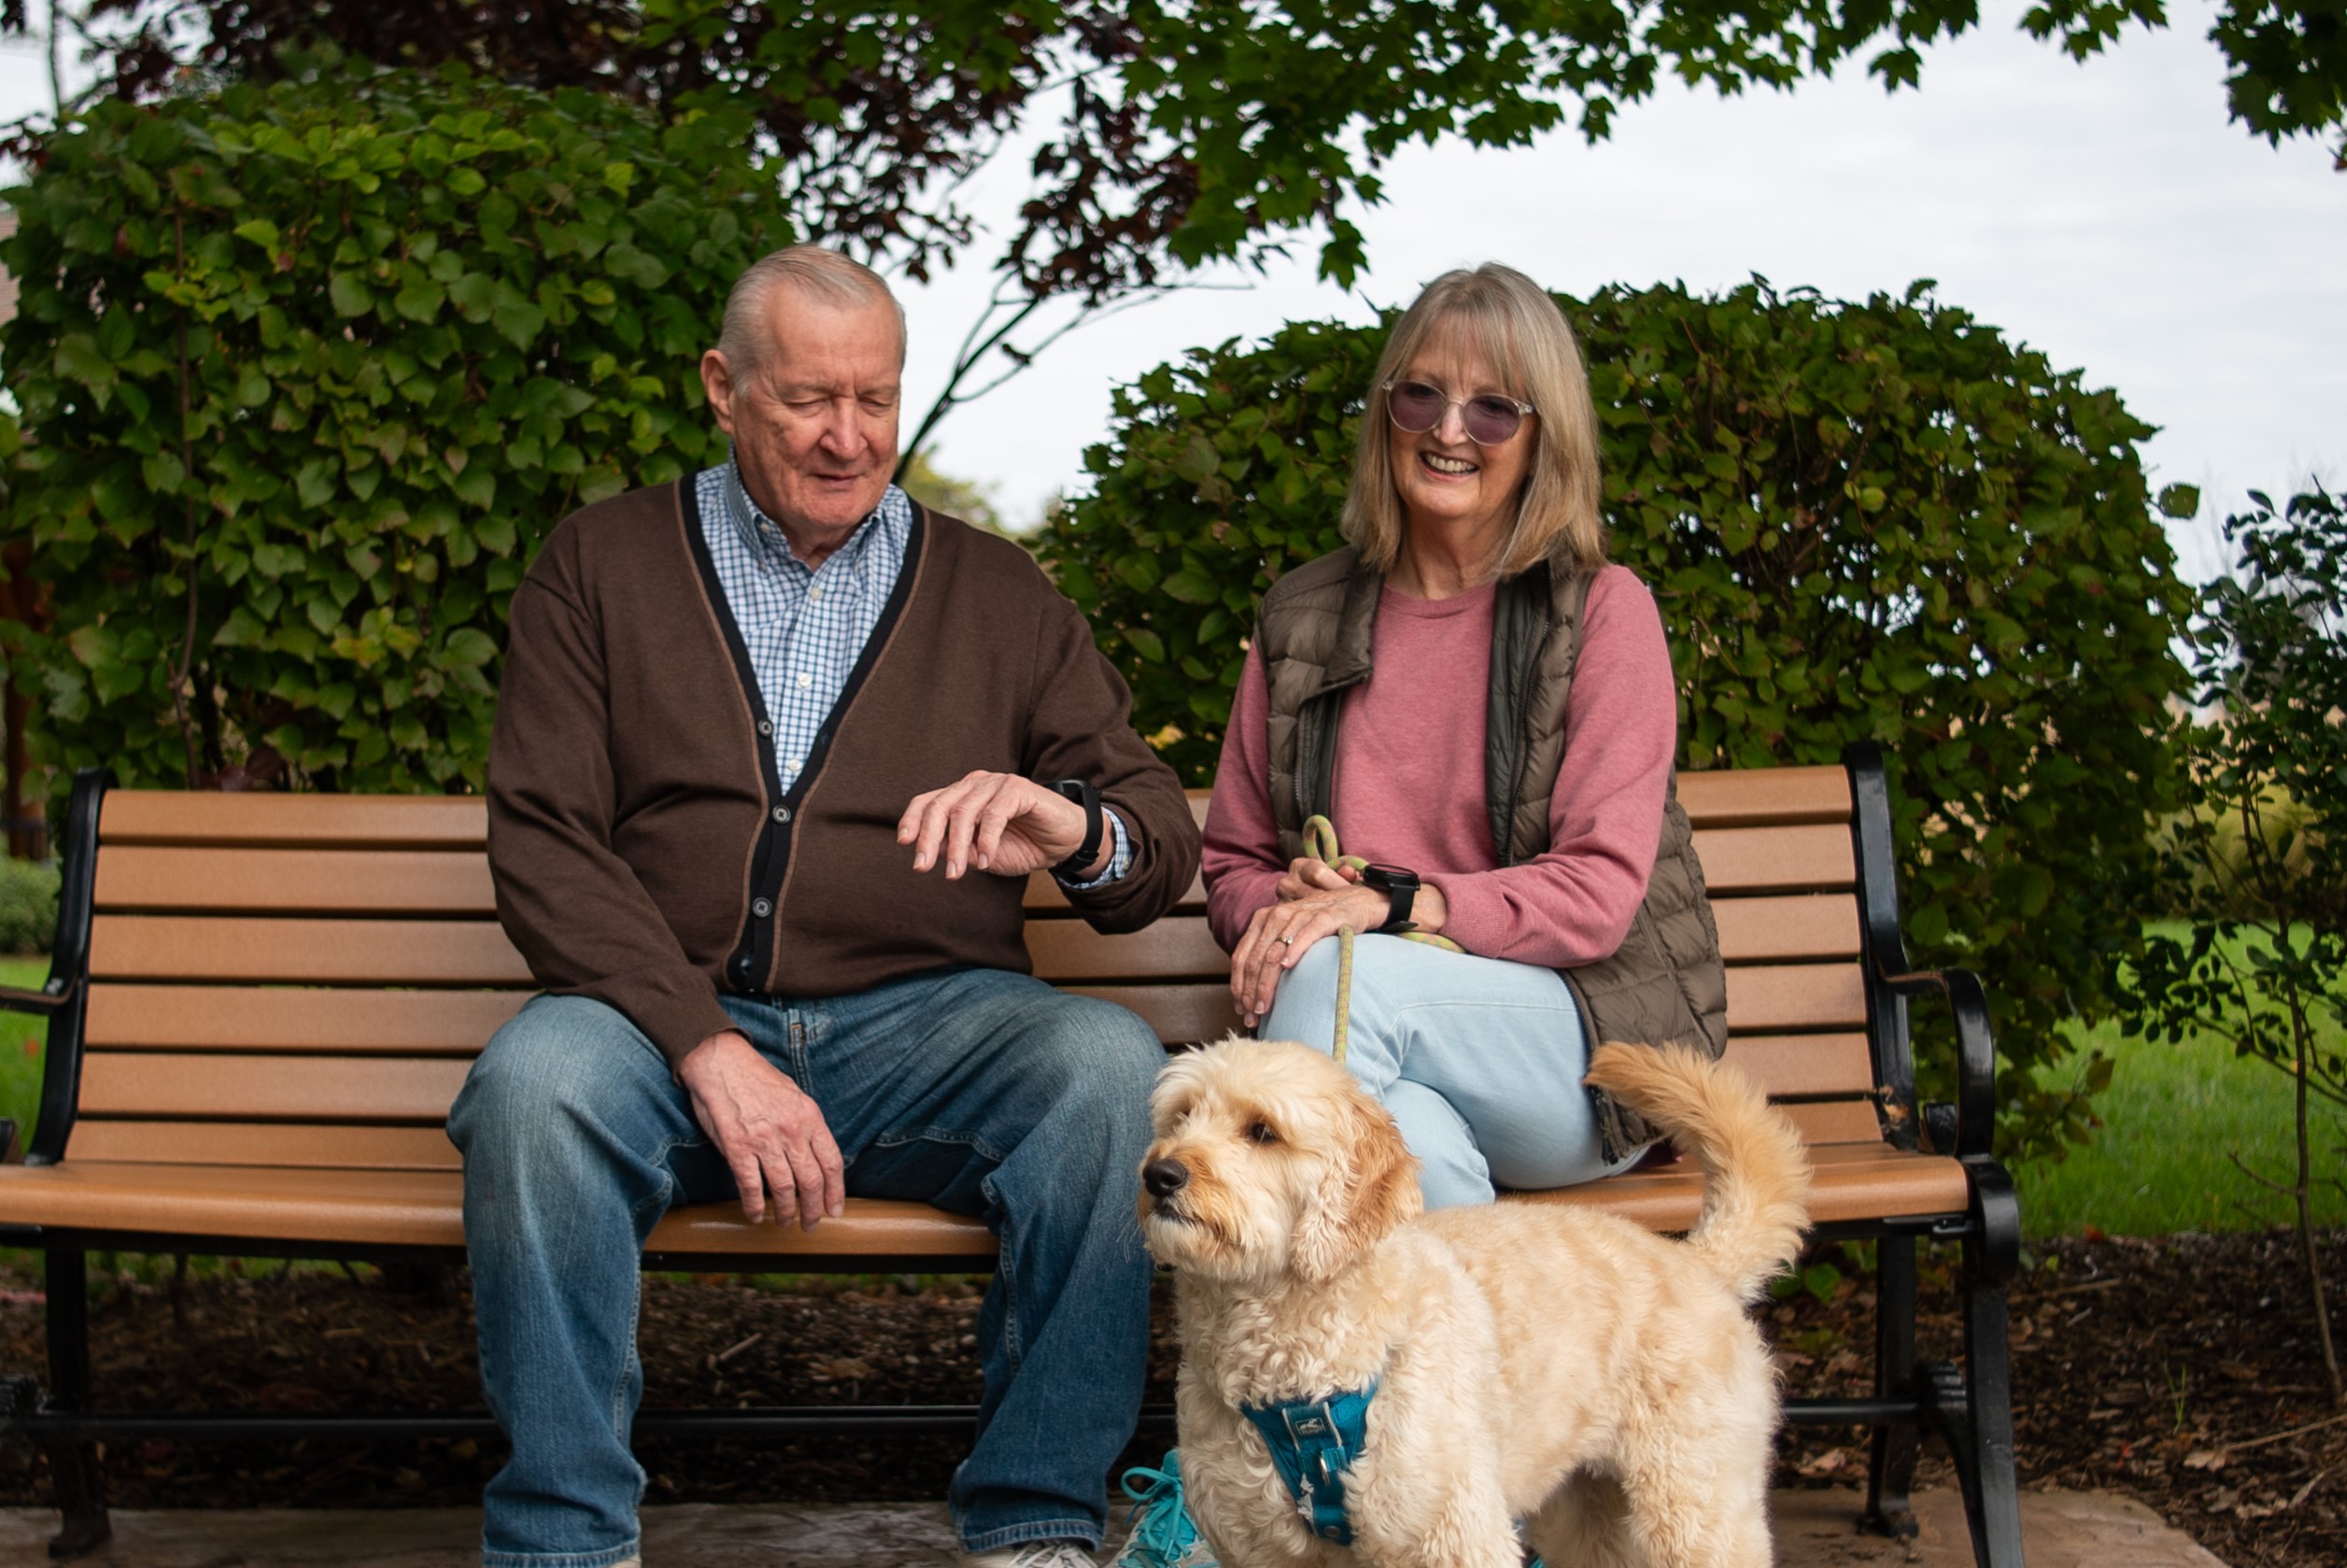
1516	329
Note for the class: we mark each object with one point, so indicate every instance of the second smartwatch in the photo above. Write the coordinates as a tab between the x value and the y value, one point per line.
1400	887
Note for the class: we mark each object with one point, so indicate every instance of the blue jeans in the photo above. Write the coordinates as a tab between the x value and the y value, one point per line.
1479	1060
985	1092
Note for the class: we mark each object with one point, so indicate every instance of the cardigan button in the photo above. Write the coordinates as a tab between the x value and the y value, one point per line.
762	909
766	726
782	813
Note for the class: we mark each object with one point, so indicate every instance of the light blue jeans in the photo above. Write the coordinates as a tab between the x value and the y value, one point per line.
1479	1060
985	1092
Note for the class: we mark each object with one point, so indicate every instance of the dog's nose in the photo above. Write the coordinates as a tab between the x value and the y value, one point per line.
1164	1177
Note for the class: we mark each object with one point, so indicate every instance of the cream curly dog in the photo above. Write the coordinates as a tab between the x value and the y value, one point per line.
1555	1364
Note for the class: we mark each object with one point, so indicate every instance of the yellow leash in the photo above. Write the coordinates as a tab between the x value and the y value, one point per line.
1320	842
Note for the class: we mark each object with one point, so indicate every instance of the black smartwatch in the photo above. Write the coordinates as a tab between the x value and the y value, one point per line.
1400	888
1088	796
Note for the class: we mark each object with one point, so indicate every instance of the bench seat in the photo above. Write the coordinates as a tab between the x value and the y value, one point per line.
425	1208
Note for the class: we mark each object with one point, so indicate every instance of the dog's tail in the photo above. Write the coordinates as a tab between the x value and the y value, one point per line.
1756	1173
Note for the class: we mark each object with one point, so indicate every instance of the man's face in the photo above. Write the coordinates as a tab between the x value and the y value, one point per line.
813	420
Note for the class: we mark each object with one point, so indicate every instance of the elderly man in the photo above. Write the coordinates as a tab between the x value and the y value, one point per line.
776	751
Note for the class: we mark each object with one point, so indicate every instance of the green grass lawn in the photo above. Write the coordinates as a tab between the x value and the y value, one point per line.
2171	1120
21	1037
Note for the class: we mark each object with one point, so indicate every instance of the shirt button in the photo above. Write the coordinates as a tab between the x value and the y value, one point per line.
762	909
806	680
782	813
814	593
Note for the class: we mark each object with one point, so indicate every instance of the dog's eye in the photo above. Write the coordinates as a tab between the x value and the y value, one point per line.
1262	1132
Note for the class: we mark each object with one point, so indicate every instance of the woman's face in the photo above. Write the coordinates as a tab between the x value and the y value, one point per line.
1444	479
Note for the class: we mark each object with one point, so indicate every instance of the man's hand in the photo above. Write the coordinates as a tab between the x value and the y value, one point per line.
999	822
769	1132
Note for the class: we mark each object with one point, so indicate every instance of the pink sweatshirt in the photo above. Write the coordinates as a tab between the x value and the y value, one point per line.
1408	789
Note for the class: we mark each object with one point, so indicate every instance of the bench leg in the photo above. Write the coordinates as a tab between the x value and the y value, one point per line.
73	1466
1992	1492
1890	1469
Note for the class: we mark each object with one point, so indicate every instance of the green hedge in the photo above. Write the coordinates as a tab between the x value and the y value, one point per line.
1878	520
28	905
305	371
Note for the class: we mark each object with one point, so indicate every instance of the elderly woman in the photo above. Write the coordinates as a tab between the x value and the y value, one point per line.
1472	619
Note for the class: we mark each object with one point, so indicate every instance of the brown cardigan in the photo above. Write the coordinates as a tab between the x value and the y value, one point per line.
644	852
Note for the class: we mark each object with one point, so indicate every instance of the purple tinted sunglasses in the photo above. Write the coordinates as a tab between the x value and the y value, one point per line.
1491	420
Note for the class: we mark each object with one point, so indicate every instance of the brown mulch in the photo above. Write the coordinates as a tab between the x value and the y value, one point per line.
2179	1370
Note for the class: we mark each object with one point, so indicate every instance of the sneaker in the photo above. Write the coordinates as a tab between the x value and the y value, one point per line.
1034	1554
1159	1532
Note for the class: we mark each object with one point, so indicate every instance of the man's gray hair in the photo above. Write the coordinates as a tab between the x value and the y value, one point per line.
835	278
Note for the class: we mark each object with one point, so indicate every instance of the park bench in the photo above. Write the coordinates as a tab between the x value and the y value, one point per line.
262	1007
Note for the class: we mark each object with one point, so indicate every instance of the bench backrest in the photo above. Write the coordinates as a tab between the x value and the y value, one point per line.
302	979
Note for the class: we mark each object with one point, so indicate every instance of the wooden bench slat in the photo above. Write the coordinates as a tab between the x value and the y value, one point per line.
1765	797
1043	898
1796	998
1176	948
425	1208
261	1144
263	950
270	1088
458	1023
871	1226
278	1018
1827	1121
1813	859
1786	926
326	1088
1805	1065
1190	1014
1848	1181
166	878
265	819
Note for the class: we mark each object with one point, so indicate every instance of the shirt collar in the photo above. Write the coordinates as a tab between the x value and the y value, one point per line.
763	535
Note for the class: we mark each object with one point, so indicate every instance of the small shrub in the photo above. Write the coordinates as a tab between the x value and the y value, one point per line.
306	370
2255	862
28	905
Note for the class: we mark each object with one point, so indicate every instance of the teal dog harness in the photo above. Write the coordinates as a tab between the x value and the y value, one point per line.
1313	1444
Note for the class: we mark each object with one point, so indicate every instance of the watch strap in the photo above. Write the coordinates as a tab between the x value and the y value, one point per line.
1400	887
1087	795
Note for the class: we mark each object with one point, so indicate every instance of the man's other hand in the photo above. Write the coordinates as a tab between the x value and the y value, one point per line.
999	822
769	1132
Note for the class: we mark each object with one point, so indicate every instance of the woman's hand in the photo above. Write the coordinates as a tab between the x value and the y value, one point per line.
1280	933
1308	878
1314	900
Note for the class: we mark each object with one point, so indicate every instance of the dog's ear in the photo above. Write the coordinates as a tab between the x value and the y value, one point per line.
1370	1190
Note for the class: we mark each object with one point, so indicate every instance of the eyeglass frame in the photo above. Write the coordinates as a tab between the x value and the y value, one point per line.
1523	411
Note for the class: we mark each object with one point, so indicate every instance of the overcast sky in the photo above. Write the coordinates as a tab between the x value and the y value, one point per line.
2106	213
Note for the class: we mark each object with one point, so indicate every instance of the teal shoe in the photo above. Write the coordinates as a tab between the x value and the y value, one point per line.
1159	1532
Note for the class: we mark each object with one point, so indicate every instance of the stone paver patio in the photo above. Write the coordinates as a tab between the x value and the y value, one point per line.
1814	1530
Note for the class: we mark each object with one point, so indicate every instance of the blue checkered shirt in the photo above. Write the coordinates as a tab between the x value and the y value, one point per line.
806	626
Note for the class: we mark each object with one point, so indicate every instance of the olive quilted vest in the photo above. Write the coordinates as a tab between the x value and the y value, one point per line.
1666	982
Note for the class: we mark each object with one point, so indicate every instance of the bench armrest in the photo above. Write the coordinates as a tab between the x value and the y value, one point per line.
1975	1052
49	1001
